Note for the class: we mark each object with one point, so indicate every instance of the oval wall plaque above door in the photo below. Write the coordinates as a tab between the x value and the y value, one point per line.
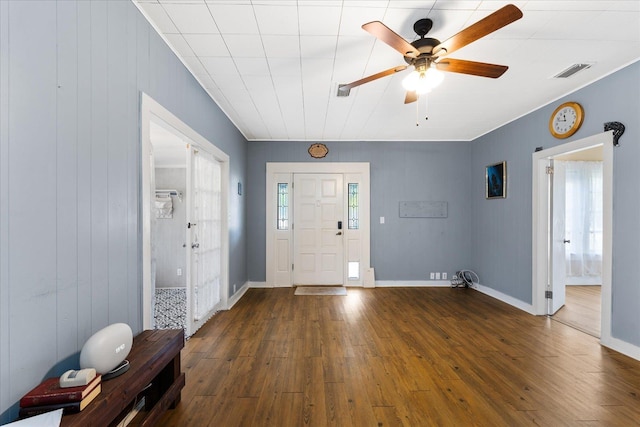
318	151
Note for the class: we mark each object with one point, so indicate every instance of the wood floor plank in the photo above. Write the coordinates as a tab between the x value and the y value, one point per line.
398	356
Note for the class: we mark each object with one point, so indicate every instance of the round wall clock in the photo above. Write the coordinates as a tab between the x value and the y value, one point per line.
566	120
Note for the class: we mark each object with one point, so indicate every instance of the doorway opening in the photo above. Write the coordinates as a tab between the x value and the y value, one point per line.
184	261
576	216
557	286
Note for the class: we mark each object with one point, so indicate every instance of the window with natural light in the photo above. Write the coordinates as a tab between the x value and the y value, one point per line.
283	206
354	221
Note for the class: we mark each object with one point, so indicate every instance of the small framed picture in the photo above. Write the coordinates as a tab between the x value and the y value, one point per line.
496	181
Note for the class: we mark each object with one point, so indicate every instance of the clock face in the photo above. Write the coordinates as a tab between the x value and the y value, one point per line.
566	120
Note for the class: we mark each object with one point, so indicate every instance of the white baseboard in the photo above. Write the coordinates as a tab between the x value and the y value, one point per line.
236	297
504	298
621	347
412	283
259	285
618	345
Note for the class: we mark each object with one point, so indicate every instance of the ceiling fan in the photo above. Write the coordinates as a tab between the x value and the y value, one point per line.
427	55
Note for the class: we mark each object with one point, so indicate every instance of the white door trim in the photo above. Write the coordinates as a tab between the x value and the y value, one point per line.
279	243
152	110
540	223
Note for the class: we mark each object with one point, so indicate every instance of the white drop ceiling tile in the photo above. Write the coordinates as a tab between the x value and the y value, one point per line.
493	5
260	87
207	44
159	16
194	64
191	18
179	44
244	45
289	86
252	66
319	21
563	5
355	46
273	119
337	3
314	68
291	3
182	1
627	25
569	26
277	20
287	67
362	4
234	18
205	80
318	46
353	18
233	2
219	65
281	46
233	88
411	4
457	4
446	23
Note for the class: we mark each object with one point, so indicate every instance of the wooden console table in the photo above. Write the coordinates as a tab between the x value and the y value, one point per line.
154	373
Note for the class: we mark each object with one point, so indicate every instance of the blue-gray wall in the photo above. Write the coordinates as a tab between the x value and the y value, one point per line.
401	248
71	74
503	228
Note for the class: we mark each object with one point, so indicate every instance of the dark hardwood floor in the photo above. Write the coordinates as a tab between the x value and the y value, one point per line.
399	357
581	309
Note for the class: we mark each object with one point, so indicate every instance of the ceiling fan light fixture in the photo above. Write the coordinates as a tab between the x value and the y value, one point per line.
422	81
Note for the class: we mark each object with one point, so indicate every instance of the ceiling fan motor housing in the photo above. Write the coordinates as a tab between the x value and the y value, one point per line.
425	46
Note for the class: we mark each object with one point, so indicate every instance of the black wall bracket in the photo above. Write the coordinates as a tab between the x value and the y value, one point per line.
618	130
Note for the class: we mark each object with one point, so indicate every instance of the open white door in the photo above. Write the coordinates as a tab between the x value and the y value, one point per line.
557	236
318	255
204	223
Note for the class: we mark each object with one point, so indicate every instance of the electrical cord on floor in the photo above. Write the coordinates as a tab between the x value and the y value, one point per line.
464	279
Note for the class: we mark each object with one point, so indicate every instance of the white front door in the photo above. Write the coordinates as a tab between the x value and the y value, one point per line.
318	249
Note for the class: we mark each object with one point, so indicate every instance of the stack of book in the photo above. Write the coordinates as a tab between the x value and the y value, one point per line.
49	396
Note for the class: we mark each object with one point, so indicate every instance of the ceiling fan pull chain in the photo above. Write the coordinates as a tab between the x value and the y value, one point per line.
417	113
426	106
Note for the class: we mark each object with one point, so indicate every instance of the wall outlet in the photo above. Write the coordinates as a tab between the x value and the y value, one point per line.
432	276
437	276
234	288
381	220
444	276
179	272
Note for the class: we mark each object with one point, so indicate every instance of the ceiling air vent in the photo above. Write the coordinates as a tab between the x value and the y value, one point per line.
571	71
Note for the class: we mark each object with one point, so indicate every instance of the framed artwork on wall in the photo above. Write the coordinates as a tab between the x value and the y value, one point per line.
496	181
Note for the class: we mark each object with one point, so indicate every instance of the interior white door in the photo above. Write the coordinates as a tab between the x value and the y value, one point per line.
205	229
318	209
558	242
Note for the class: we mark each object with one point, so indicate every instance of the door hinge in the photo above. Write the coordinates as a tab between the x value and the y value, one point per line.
548	294
291	267
549	170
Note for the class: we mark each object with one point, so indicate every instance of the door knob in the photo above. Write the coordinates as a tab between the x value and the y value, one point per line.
339	233
195	245
566	241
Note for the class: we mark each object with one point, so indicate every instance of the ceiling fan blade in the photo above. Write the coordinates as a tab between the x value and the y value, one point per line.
411	96
344	89
481	69
491	23
385	34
